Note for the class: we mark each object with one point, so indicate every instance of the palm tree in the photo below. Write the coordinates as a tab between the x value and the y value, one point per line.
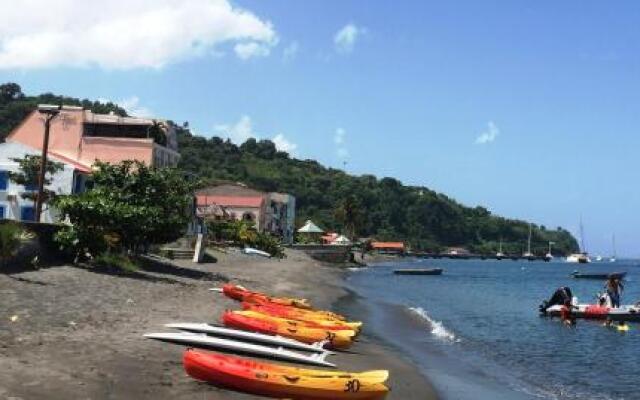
349	213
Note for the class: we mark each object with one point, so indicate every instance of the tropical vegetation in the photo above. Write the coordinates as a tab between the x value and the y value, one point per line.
243	233
10	238
129	207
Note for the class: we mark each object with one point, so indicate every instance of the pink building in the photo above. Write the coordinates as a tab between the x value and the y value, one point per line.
78	138
269	212
82	137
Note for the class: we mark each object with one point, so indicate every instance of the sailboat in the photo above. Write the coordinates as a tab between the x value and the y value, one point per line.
549	256
500	254
529	255
582	257
613	257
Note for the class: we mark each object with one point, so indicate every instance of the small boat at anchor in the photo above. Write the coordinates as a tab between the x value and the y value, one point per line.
418	271
599	275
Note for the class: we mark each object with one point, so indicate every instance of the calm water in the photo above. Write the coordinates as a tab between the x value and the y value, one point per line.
476	332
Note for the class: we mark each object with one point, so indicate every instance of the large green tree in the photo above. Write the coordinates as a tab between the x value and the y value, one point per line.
129	207
28	175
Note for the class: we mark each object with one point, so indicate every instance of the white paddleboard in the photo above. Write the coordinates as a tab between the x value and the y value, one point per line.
256	252
249	336
206	341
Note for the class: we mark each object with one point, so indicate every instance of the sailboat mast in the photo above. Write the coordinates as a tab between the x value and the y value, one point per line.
614	245
584	250
529	242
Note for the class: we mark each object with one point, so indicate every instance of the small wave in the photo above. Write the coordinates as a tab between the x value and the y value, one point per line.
437	328
357	269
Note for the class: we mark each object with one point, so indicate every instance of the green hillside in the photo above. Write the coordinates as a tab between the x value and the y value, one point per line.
371	207
385	208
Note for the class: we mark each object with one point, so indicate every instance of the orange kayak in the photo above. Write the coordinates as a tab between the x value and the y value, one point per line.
240	293
320	324
290	312
281	381
336	339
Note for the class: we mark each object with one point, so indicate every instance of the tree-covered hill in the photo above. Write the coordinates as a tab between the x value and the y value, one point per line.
381	208
365	205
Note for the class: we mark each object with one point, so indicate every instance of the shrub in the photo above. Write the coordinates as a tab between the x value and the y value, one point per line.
9	241
243	233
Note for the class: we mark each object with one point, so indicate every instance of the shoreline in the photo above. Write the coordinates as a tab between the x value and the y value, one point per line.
78	332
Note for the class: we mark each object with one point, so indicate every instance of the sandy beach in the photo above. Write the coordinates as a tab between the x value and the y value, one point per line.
72	333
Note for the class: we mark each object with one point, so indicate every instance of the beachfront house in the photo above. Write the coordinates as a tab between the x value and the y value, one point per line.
268	212
77	139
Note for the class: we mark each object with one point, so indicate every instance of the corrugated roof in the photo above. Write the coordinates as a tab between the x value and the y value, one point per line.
387	245
229	201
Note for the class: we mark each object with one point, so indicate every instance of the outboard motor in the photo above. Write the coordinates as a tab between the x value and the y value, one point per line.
562	296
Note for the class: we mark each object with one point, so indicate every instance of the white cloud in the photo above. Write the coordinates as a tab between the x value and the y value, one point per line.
489	135
345	39
134	108
289	52
283	144
238	132
125	34
242	130
339	138
251	49
131	105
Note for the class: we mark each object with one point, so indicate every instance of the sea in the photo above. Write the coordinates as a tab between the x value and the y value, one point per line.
476	332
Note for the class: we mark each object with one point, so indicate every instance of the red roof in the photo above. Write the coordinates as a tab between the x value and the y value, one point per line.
388	245
230	201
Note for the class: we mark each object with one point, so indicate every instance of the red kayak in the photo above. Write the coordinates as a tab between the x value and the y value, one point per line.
240	293
280	381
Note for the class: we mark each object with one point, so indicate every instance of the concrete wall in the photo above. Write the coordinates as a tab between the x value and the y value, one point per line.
326	253
64	136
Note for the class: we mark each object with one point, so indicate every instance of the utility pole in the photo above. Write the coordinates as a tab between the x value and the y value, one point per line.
49	112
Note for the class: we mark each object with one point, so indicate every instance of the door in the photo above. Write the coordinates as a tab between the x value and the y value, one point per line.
27	213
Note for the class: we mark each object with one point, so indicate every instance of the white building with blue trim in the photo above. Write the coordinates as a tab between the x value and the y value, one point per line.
12	205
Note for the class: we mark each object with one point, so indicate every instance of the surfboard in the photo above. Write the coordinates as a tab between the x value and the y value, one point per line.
260	338
201	340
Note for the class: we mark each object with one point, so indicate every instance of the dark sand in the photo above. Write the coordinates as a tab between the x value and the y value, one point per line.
78	333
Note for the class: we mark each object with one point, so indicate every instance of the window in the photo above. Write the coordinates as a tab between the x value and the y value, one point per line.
4	180
27	213
31	187
79	184
2	212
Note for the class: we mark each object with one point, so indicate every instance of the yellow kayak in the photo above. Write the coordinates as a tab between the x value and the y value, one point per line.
317	323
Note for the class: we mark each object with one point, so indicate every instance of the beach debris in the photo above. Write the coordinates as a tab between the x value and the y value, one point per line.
13	318
130	301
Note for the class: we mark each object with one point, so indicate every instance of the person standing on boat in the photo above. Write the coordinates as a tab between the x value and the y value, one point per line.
614	289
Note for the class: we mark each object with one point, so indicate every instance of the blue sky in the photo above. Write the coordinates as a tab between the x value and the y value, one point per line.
531	109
